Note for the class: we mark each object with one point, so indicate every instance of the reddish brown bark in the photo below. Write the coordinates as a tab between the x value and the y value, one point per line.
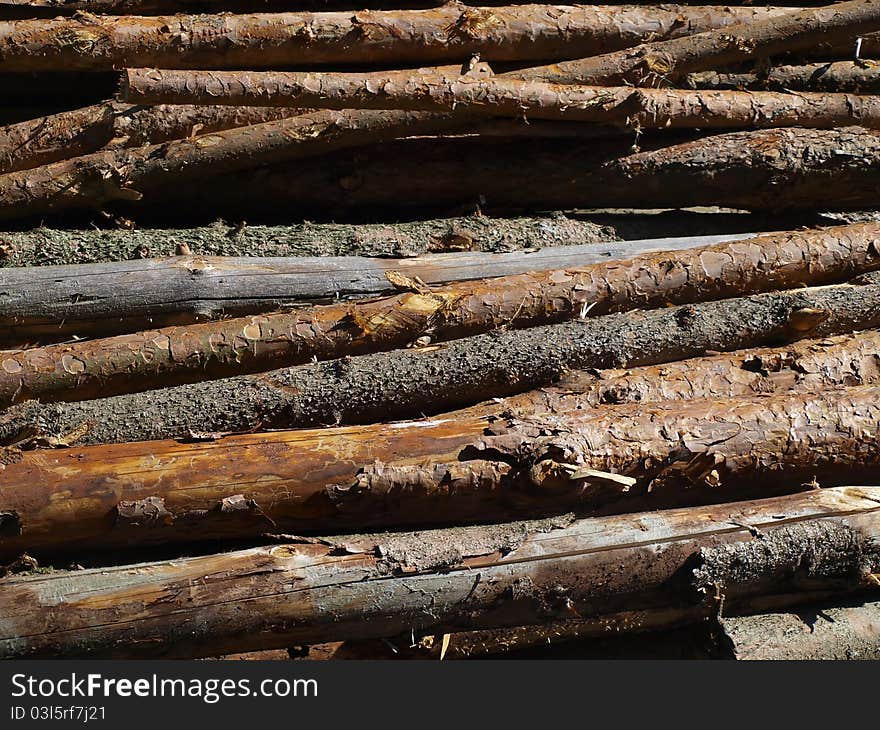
450	33
784	551
129	363
619	106
658	62
841	76
80	131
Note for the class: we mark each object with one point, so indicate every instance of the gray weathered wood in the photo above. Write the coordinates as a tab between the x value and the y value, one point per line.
57	302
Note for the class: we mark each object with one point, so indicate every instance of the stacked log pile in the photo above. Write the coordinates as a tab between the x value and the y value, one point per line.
438	332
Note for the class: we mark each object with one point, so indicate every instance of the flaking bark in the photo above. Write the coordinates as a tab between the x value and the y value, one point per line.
156	358
658	62
767	170
80	131
450	33
408	383
861	77
448	580
616	106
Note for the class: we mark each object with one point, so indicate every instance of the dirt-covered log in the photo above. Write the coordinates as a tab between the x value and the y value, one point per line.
80	131
59	302
824	631
169	356
102	177
767	170
618	106
862	77
661	61
446	34
408	383
365	587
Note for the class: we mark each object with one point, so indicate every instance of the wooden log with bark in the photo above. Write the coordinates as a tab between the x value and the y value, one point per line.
80	131
766	170
811	544
658	62
436	378
155	358
614	106
447	34
61	302
853	77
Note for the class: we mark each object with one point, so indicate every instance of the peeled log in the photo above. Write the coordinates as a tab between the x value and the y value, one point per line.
424	380
60	302
102	177
446	34
768	170
658	62
174	355
80	131
862	77
825	631
616	106
447	580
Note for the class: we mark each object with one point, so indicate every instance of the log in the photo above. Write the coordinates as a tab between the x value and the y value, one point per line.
102	177
446	34
824	631
80	131
453	93
861	77
56	247
662	61
433	379
446	580
170	356
766	170
60	302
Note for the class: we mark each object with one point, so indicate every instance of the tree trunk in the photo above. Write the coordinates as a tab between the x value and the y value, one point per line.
103	177
446	34
664	60
824	631
767	170
618	106
101	299
80	131
843	77
364	587
130	363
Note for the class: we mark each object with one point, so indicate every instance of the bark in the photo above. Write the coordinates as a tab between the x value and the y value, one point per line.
69	134
77	301
651	64
130	363
842	76
55	247
768	170
366	587
102	177
824	631
447	34
616	106
409	383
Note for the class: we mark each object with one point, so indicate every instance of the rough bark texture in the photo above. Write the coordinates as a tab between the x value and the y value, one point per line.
80	131
618	106
408	383
52	303
651	64
826	631
102	177
768	170
138	362
841	76
513	574
451	33
54	247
